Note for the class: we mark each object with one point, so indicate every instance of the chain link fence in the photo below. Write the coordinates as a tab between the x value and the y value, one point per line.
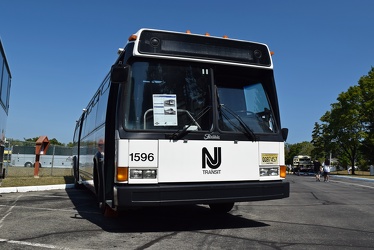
19	160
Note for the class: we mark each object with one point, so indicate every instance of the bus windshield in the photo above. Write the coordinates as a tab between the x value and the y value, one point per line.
168	96
172	96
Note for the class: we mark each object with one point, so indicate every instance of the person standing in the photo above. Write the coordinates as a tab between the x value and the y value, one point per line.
317	170
326	170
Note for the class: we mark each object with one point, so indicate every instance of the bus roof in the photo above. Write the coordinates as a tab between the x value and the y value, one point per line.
201	48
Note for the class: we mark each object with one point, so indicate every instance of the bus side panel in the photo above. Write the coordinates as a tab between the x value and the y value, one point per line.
205	161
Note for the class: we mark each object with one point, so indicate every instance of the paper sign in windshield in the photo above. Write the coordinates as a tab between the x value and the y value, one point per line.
165	110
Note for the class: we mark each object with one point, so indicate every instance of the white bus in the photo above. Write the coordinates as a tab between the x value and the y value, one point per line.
55	157
5	83
183	119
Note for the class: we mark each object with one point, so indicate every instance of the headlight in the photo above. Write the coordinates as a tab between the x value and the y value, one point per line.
143	174
269	171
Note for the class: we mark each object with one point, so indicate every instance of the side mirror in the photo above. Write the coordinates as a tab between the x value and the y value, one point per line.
119	73
284	133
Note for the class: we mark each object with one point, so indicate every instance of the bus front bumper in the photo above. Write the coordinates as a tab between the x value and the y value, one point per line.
198	193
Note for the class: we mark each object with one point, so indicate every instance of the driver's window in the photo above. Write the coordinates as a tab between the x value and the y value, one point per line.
233	98
255	98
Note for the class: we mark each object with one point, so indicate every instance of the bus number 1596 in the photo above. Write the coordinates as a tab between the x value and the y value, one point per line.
142	157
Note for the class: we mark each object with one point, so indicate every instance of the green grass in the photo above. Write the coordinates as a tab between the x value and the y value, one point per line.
31	181
20	176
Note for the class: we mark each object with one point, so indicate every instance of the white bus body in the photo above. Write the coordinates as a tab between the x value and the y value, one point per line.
183	119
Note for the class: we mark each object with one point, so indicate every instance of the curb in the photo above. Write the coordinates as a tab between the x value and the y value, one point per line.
352	178
34	188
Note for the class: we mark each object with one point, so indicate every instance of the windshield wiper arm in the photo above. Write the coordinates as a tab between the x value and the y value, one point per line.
247	130
182	132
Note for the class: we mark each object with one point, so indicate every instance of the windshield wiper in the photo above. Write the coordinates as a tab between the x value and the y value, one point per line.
182	132
247	130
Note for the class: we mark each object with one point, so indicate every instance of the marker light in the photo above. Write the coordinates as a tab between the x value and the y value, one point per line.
271	53
188	31
283	171
225	36
207	34
122	174
132	38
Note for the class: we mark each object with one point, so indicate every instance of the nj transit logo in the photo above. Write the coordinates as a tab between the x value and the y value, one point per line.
212	162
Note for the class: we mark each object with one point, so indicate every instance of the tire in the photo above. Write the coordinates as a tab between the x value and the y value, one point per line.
99	188
221	208
28	165
76	176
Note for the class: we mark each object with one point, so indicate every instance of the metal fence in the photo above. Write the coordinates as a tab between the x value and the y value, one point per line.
19	160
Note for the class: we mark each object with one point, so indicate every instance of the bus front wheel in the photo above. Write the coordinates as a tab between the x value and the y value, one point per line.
77	183
99	189
221	208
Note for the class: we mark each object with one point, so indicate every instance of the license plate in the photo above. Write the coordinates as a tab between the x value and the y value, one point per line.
269	159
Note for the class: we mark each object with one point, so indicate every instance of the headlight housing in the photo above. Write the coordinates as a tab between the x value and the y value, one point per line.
269	171
143	174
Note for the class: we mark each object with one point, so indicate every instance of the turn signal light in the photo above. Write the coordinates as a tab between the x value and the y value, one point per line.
122	174
283	171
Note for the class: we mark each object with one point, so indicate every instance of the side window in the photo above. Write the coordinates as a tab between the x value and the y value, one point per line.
91	113
4	88
1	71
84	130
102	104
257	102
5	79
76	132
2	81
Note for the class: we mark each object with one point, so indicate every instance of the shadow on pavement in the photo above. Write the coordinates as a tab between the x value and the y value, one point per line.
156	219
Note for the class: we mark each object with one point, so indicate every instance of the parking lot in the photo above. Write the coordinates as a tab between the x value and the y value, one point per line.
317	215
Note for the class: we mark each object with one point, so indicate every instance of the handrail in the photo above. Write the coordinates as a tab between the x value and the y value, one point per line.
178	110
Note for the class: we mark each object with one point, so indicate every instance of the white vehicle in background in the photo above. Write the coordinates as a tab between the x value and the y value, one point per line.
302	165
24	156
27	160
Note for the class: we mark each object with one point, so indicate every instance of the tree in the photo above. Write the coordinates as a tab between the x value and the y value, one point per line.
318	141
34	139
366	85
52	141
343	129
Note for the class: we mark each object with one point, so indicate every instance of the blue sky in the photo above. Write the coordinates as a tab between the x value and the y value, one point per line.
59	51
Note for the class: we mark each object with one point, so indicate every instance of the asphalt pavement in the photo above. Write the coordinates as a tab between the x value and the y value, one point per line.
4	190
